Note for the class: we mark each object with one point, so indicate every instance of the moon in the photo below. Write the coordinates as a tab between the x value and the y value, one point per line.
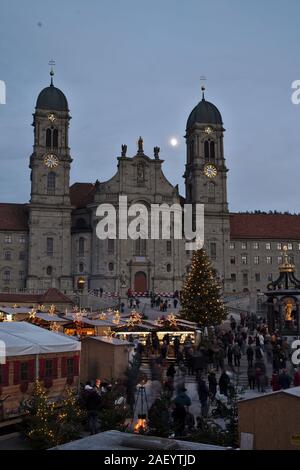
173	142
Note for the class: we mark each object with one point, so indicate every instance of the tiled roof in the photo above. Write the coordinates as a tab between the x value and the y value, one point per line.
50	296
81	194
13	217
265	226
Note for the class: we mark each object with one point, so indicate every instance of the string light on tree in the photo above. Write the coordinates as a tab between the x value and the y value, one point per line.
200	296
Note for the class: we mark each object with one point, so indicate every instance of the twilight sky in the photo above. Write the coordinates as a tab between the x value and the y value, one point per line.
132	67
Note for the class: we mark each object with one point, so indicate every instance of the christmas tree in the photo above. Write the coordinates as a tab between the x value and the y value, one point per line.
39	421
200	296
69	418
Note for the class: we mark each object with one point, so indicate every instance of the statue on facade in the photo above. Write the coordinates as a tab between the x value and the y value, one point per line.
123	279
123	150
156	151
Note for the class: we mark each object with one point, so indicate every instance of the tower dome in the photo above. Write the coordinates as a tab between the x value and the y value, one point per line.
204	113
52	99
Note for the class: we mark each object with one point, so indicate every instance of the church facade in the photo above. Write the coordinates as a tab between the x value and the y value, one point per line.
52	242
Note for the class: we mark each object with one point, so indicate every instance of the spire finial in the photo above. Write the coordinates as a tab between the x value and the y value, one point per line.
52	64
202	80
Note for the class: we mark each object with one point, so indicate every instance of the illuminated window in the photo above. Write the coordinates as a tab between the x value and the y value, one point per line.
269	259
256	259
244	259
268	246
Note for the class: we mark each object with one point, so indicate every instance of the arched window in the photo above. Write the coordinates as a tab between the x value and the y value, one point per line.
48	137
49	270
192	151
211	191
55	138
81	246
49	246
111	266
6	275
212	150
168	268
140	247
51	182
51	137
81	267
206	150
209	150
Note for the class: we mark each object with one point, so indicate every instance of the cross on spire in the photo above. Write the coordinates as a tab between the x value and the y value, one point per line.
52	64
202	81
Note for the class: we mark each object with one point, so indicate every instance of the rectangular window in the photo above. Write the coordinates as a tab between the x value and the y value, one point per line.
169	247
233	277
70	366
268	246
7	239
257	277
21	275
255	245
290	246
269	259
232	259
24	371
244	259
231	245
298	246
256	259
22	239
22	255
213	250
140	247
245	279
279	259
48	368
279	246
7	255
50	246
111	246
244	245
270	277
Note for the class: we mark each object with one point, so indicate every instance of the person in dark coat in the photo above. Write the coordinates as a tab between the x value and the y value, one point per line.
250	354
176	345
224	382
212	385
229	355
92	402
171	371
203	393
251	377
284	380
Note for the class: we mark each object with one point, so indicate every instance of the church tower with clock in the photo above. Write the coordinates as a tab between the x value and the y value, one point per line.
206	180
49	257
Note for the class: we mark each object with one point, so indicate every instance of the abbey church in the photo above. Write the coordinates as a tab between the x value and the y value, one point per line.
51	241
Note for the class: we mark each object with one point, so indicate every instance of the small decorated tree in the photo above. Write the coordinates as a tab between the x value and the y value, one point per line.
39	421
69	418
200	296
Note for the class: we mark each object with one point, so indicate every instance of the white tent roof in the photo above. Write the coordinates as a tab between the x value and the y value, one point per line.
22	338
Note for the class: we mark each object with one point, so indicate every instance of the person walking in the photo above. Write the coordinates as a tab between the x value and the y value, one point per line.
212	385
203	393
251	377
236	354
229	355
224	381
250	355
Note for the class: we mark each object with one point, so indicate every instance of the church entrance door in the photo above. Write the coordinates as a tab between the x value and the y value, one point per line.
140	282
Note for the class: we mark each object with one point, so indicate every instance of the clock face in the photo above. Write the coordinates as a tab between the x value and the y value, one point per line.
51	117
51	160
210	170
208	130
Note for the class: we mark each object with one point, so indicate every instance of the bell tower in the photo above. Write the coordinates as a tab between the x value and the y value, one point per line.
49	263
206	179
